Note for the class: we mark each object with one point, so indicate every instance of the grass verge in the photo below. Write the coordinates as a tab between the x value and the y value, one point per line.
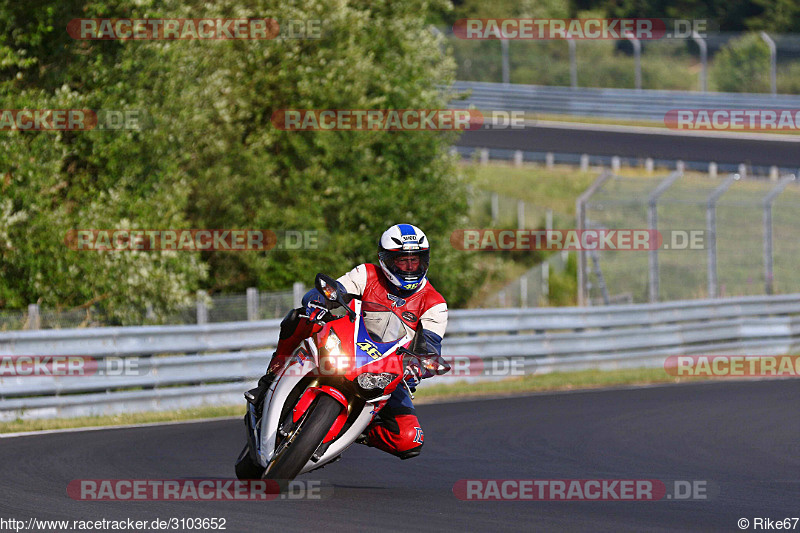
584	379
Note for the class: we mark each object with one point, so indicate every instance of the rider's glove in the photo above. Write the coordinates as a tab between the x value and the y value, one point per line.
315	312
415	374
425	366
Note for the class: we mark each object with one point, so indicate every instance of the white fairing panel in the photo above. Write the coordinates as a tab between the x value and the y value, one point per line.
343	442
273	403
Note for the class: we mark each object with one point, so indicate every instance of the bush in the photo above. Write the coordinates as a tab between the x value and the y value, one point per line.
742	66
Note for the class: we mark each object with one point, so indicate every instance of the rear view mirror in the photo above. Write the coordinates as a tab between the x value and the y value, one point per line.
327	287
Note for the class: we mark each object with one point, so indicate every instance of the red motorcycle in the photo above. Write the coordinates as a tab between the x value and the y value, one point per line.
332	387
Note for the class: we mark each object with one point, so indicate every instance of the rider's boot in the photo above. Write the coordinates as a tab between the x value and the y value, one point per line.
256	395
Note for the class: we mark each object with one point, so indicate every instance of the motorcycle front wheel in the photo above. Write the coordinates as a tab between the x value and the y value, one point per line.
297	447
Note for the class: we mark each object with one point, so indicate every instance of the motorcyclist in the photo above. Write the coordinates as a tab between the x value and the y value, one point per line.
398	281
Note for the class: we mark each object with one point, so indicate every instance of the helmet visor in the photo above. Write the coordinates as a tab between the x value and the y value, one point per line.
409	266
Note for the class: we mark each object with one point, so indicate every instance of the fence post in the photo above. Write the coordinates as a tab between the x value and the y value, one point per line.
615	164
773	66
767	218
252	303
711	230
637	56
742	170
495	207
680	166
546	281
549	160
548	220
523	291
484	156
520	214
712	170
298	291
584	162
34	318
506	66
652	225
573	64
580	213
518	158
202	308
701	43
773	173
648	165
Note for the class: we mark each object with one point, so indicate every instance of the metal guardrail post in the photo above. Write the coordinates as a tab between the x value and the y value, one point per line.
701	43
573	64
580	213
202	308
711	230
252	303
506	65
773	62
767	218
652	225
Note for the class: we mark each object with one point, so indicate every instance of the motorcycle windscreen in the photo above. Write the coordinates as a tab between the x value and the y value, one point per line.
382	324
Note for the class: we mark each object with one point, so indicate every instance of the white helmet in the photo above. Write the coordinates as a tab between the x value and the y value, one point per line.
402	240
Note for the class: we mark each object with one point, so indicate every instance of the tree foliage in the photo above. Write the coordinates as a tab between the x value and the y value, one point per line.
210	157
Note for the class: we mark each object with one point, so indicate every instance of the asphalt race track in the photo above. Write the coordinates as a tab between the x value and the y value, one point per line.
581	140
741	438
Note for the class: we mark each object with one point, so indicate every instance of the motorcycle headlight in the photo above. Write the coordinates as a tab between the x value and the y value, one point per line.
332	344
370	380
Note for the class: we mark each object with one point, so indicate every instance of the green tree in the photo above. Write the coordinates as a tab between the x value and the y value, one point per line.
211	158
742	66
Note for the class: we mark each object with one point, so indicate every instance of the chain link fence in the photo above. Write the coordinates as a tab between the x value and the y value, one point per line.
255	305
721	238
532	289
665	64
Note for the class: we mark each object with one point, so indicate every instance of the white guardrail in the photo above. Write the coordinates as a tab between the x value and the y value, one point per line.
153	368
